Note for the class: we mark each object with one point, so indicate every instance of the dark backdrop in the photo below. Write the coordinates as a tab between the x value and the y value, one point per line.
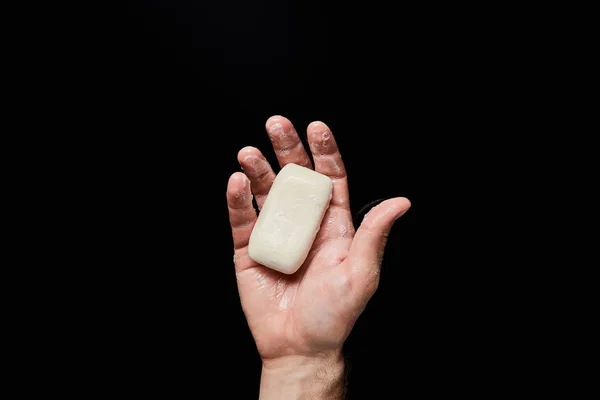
182	86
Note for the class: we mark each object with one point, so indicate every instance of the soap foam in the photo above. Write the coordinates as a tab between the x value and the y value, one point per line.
343	231
258	165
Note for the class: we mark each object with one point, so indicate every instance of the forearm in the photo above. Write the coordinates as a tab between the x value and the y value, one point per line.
298	377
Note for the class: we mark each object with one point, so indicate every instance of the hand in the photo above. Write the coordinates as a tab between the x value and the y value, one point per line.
301	321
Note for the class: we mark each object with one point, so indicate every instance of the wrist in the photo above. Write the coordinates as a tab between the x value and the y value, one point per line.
319	377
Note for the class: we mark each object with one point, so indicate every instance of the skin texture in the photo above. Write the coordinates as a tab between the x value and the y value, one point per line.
301	321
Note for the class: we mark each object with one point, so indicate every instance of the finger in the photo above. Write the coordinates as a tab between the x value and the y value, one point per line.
241	211
257	168
366	251
328	161
286	143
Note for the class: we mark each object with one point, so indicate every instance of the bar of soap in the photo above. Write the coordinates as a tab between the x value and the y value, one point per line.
290	218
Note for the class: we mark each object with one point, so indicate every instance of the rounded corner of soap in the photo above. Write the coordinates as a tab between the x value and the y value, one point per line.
288	166
251	255
289	266
291	271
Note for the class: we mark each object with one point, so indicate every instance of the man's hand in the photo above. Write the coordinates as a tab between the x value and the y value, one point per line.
300	321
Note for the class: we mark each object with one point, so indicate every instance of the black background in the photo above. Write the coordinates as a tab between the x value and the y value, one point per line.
179	87
129	118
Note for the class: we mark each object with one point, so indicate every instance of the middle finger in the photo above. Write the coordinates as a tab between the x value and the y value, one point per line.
286	143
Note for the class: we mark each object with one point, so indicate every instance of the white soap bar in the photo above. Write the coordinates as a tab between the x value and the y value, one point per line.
290	218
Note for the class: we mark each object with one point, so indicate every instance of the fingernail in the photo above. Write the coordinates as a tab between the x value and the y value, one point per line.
276	129
401	214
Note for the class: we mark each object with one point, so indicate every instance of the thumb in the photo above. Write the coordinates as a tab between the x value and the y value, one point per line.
371	237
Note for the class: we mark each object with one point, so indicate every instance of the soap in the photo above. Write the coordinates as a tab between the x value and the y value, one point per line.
290	218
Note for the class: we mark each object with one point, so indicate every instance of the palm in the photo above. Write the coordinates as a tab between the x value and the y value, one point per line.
296	313
315	308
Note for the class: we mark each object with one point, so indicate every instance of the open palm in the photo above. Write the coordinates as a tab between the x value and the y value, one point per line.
313	310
